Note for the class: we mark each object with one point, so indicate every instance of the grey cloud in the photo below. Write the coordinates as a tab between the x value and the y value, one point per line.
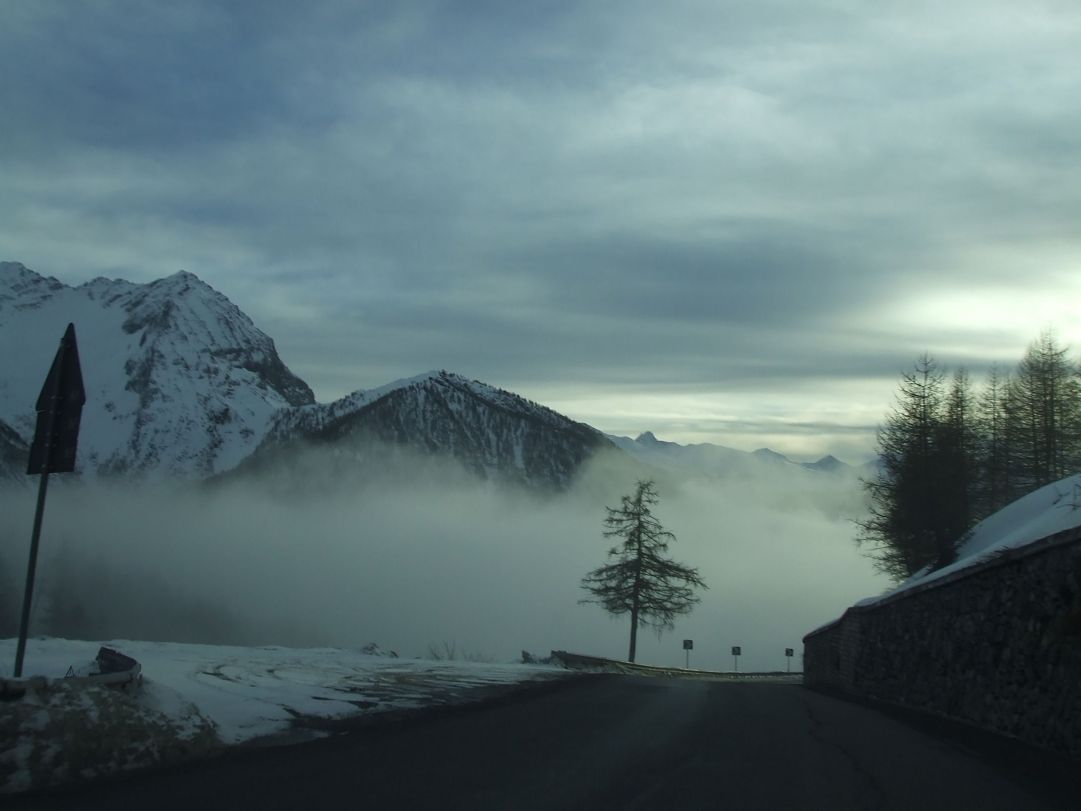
563	191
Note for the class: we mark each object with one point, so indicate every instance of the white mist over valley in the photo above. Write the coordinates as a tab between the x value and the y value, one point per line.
488	570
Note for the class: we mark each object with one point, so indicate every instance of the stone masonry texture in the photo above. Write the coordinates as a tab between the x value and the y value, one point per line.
997	645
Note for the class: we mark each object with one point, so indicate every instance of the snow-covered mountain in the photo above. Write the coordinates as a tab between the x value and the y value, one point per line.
717	461
492	433
179	381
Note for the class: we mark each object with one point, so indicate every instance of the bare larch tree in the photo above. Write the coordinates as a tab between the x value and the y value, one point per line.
641	580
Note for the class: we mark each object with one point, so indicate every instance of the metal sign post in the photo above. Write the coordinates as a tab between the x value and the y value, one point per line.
789	653
59	408
688	646
736	652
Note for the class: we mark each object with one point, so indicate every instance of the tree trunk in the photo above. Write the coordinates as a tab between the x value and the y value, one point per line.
634	633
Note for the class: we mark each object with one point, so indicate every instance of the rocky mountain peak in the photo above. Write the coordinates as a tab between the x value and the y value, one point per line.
22	288
179	380
491	433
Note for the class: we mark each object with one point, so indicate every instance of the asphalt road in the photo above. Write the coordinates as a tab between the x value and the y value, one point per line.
621	742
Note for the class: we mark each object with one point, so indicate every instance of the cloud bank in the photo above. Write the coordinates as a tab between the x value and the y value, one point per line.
490	571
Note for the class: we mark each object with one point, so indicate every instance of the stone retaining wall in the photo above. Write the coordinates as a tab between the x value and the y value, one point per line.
997	645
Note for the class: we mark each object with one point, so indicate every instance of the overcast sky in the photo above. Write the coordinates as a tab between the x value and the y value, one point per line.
726	222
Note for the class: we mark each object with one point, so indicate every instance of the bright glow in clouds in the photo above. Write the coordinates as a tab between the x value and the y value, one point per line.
1011	312
490	571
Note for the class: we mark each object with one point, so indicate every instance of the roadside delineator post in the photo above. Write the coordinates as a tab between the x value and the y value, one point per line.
59	411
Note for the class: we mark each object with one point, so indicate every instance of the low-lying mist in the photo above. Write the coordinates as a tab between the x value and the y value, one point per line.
430	557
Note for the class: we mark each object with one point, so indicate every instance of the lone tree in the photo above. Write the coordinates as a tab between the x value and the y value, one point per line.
641	580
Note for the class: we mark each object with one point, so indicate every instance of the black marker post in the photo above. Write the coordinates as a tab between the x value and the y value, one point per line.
60	408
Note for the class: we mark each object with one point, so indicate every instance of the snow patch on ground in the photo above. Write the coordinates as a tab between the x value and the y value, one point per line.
197	697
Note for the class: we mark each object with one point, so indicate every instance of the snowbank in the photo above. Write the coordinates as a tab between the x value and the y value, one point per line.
197	694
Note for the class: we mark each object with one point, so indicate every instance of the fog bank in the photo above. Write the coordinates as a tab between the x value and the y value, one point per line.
440	559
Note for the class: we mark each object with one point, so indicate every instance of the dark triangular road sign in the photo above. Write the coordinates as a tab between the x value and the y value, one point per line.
60	408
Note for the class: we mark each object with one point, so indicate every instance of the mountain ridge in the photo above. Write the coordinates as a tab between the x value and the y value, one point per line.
720	460
181	383
492	433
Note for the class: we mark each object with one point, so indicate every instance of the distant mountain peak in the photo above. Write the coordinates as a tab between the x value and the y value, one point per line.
718	461
771	455
828	464
23	287
181	282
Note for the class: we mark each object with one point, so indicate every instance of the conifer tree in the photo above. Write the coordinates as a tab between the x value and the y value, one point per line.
955	469
1044	414
907	528
949	458
994	470
641	580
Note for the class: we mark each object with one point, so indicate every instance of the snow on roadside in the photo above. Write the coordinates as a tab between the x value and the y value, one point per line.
1044	512
239	693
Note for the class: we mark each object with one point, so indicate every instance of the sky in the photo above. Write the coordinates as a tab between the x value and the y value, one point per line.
733	222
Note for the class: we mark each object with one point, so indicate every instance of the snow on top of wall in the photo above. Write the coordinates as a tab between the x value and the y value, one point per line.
1044	512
